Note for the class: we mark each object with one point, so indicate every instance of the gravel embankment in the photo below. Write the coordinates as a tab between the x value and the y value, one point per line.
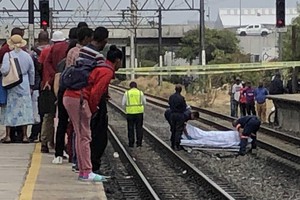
259	176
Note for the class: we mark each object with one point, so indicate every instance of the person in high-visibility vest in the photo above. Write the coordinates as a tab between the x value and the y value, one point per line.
134	101
250	125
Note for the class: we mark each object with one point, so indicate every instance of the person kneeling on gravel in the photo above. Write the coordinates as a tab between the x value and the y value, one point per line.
250	125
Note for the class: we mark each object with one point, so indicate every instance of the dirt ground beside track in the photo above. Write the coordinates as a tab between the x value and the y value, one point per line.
220	104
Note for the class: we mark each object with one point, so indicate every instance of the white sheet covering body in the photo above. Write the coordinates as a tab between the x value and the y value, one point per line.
215	139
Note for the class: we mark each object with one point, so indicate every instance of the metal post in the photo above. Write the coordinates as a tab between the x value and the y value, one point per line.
280	45
202	33
240	13
159	42
51	21
31	23
132	36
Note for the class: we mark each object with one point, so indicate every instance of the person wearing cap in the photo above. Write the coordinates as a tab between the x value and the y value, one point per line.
18	110
57	52
134	100
236	91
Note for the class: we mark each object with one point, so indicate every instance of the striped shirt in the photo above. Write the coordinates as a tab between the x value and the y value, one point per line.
90	52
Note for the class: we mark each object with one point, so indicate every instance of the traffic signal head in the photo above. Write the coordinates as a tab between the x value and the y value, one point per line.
44	13
280	13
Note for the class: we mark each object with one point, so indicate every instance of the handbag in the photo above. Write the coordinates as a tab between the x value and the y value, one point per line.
46	102
3	94
14	76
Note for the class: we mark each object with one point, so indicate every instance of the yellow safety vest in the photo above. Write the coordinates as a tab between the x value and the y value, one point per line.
134	101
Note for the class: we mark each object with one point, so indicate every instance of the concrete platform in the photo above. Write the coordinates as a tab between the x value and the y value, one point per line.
288	106
26	174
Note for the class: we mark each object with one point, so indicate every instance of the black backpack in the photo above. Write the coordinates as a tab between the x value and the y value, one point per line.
76	76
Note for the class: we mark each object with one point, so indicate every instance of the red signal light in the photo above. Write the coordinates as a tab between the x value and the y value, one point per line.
44	23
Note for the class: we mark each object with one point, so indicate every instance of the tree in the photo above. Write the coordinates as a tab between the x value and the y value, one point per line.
219	45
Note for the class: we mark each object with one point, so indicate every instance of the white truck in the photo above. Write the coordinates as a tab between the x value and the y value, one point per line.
253	29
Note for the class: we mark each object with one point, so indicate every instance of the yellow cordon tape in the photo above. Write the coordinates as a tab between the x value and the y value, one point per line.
227	67
28	187
164	73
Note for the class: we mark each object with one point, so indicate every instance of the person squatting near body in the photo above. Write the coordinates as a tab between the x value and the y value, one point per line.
18	110
177	106
134	100
81	106
247	127
84	38
188	115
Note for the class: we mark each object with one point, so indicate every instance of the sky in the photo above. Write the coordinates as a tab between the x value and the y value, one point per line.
211	7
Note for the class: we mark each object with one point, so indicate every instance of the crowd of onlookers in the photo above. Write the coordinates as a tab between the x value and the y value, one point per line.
40	99
251	100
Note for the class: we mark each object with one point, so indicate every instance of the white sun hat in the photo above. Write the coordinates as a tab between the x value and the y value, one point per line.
58	36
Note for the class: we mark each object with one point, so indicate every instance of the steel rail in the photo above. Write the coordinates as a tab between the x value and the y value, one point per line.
263	129
128	159
200	176
163	103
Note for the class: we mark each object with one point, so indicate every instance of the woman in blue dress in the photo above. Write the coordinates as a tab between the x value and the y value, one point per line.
18	111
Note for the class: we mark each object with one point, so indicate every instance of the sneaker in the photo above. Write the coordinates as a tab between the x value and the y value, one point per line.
44	149
66	156
92	177
75	168
57	160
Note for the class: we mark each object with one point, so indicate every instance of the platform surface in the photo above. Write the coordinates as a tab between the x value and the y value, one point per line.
286	97
26	174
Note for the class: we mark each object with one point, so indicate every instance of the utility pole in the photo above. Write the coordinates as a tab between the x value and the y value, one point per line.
202	34
296	68
240	13
133	36
160	43
31	23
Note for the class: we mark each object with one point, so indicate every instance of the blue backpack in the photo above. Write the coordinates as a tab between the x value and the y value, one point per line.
76	76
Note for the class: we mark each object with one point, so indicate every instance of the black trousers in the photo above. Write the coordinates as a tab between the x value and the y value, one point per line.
135	121
63	121
250	108
177	127
99	128
243	109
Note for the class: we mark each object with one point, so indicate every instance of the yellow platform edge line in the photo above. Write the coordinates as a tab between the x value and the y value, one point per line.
29	185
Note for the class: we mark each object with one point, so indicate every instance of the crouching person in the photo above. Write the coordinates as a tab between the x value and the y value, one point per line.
188	115
250	125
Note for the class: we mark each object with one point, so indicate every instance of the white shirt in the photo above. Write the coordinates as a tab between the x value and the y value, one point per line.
236	91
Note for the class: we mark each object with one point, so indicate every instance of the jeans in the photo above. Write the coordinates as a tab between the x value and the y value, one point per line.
251	108
235	105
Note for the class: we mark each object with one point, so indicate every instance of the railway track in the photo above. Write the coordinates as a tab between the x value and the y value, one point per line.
281	144
163	174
